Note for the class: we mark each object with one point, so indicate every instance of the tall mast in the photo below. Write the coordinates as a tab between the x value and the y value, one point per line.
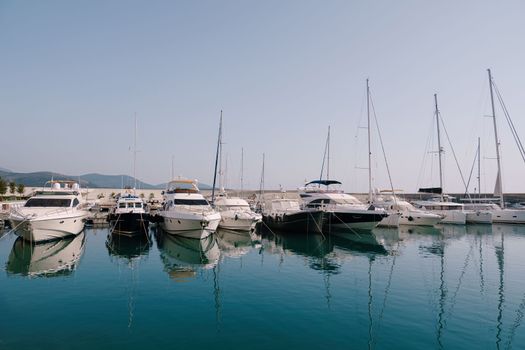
328	155
440	150
135	156
261	185
216	161
242	171
369	149
479	168
499	188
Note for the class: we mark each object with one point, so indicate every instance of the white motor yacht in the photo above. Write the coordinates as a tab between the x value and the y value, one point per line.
405	212
342	210
236	213
186	212
51	213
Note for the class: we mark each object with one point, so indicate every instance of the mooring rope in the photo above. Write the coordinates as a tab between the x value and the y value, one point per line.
344	223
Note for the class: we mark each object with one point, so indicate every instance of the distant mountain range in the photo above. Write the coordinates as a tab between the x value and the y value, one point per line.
39	178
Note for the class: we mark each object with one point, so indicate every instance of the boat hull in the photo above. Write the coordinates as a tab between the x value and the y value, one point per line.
359	219
300	222
238	221
509	216
392	220
419	219
190	225
47	229
479	217
129	224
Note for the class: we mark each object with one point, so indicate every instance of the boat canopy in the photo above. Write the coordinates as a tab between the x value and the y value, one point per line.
324	182
436	190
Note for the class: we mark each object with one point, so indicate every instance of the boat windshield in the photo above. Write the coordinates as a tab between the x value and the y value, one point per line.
191	201
347	200
48	202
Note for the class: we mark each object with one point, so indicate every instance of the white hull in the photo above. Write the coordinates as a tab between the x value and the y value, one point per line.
238	221
479	217
419	219
457	217
509	216
392	220
190	225
48	228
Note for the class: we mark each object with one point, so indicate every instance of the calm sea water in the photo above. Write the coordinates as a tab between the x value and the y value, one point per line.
456	287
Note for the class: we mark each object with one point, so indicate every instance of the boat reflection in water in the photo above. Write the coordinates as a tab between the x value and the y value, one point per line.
129	251
317	248
236	243
48	259
183	257
128	247
368	242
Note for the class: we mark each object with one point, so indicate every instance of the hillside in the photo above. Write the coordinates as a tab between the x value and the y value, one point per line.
92	180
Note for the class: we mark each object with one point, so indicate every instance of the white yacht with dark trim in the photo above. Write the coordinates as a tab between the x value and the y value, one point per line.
51	213
342	210
186	212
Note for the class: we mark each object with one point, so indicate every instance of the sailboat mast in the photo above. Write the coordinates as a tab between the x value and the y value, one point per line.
499	187
242	171
479	168
440	150
135	155
369	148
328	156
261	185
216	161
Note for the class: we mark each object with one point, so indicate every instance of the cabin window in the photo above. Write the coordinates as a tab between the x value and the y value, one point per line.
191	201
317	203
122	205
75	202
138	205
48	202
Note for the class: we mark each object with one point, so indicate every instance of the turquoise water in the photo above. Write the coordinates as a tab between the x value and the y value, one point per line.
456	287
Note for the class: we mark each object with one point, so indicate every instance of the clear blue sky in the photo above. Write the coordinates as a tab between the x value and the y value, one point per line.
74	73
